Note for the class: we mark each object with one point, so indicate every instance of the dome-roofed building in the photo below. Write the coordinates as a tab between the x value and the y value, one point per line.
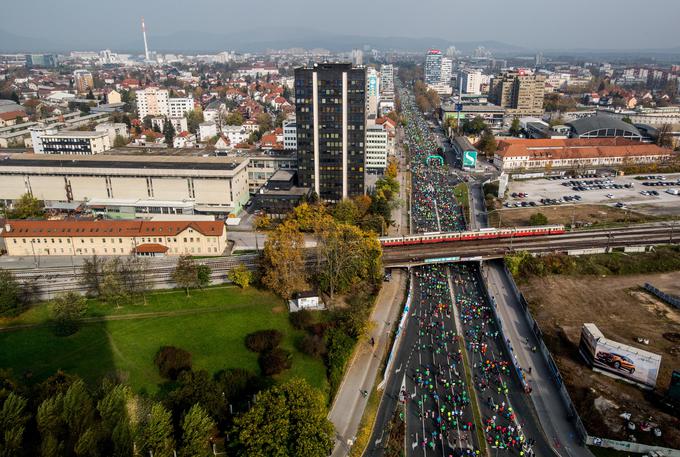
603	127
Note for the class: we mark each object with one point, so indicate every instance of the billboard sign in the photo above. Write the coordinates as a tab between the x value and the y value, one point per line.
469	159
618	359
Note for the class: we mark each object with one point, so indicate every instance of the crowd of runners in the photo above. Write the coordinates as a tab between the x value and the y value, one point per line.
433	205
449	310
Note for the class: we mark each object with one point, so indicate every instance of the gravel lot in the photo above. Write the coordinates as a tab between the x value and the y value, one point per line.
664	203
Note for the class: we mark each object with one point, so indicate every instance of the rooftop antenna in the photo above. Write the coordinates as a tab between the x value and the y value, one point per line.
146	46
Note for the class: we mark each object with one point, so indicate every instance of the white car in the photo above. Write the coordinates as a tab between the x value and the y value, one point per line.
609	196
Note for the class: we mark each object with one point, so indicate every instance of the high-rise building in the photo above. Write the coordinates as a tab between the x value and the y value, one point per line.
357	57
520	92
330	111
471	81
446	70
386	78
83	81
376	148
433	66
41	60
372	91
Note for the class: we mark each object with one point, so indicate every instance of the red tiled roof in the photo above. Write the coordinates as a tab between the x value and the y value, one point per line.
107	228
576	148
151	248
11	115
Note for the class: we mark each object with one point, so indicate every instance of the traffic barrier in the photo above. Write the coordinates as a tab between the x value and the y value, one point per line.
628	446
398	332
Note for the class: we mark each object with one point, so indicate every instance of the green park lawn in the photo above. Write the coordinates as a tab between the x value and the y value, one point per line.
213	330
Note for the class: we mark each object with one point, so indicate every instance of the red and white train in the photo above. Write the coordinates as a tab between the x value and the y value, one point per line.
482	234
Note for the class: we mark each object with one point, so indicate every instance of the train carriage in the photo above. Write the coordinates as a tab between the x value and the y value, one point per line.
471	235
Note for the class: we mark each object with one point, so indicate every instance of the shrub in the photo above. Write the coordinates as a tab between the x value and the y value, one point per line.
263	340
538	219
313	345
171	361
301	319
241	276
340	348
274	361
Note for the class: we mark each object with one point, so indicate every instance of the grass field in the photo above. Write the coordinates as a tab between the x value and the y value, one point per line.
213	330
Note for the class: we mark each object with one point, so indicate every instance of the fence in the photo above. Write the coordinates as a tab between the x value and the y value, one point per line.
670	299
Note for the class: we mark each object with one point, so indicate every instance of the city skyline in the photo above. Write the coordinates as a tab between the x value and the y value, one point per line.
604	27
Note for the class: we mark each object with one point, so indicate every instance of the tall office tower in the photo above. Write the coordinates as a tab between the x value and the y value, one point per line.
330	111
433	66
372	92
471	81
82	80
386	78
520	92
357	57
451	52
446	70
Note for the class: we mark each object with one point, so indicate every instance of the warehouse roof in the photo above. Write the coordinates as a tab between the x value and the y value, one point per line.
593	123
114	161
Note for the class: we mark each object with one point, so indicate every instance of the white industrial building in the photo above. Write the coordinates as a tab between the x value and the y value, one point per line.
215	185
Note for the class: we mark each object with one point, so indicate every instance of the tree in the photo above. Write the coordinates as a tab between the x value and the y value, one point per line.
194	118
67	309
515	128
112	289
13	417
487	143
262	222
169	133
283	261
287	419
665	138
115	424
346	211
78	412
392	168
198	387
119	141
274	361
133	276
307	216
203	273
91	275
234	118
241	276
345	256
90	95
171	361
15	97
26	207
474	126
157	433
185	273
264	120
9	293
538	219
197	427
263	340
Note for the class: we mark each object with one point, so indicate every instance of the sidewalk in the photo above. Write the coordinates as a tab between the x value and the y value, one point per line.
348	406
545	396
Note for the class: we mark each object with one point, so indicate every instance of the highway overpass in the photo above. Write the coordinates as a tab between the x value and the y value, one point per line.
585	241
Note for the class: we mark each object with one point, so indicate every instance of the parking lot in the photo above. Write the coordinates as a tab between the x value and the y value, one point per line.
621	191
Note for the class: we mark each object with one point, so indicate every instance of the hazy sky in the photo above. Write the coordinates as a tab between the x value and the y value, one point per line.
595	24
